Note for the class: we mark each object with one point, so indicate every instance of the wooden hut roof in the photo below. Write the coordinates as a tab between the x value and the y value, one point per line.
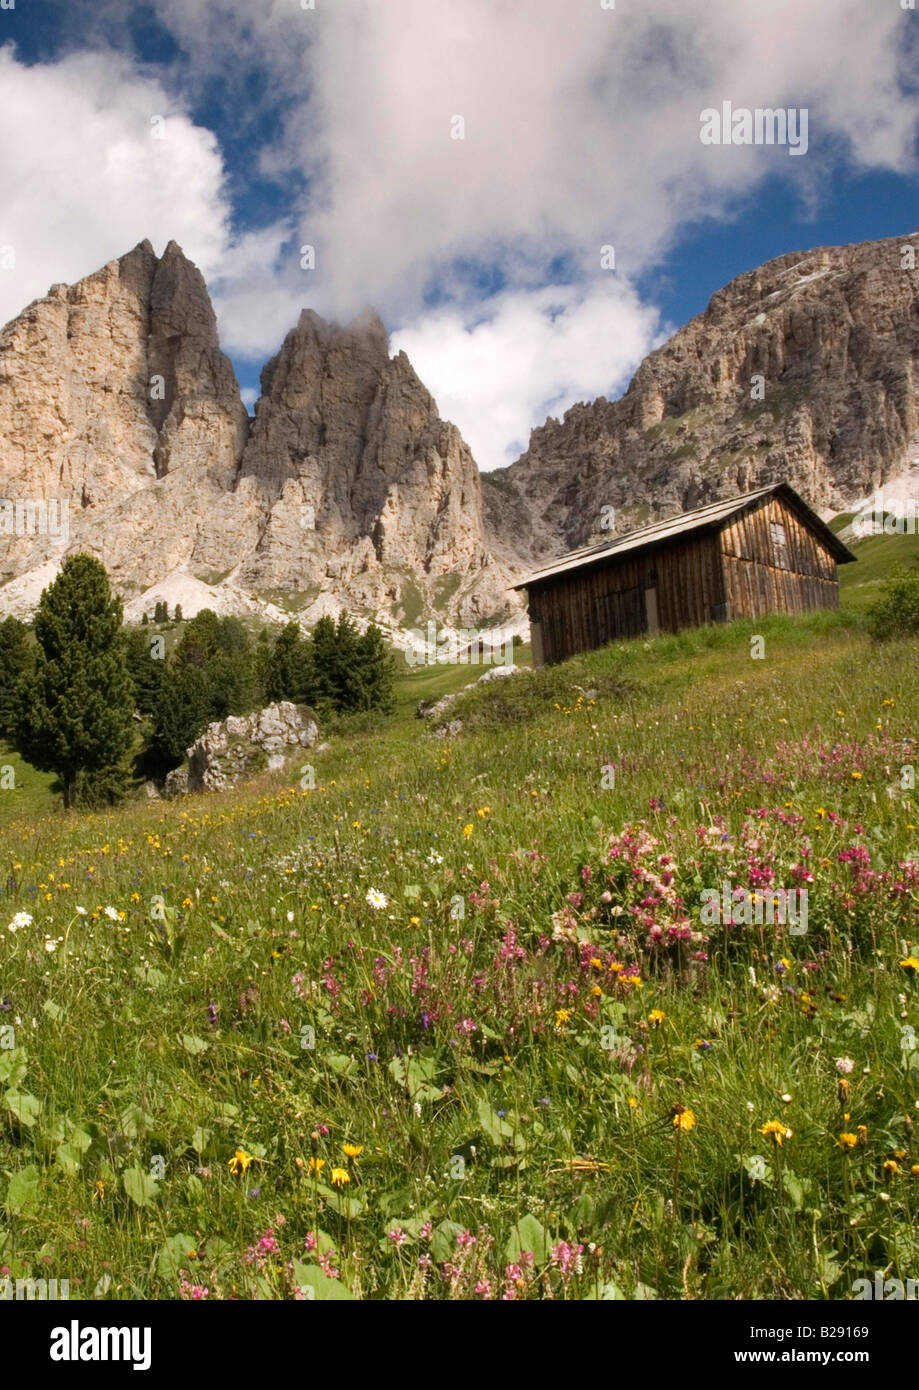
711	517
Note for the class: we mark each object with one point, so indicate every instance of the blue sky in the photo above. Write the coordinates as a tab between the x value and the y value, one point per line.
481	246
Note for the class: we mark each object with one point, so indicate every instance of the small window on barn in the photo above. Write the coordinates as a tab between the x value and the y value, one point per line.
779	545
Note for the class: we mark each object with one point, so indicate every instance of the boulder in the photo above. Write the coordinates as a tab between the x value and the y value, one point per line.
234	749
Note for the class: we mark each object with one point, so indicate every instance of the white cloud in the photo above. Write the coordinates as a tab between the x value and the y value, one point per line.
538	352
582	129
84	180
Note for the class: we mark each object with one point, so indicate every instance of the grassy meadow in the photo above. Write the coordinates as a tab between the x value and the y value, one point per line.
450	1024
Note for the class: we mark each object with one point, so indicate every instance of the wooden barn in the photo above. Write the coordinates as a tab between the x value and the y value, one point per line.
762	553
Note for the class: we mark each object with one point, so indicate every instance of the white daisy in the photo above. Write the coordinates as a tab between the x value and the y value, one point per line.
112	914
21	919
376	899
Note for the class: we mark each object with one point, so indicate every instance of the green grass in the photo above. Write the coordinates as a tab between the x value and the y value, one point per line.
876	558
502	1038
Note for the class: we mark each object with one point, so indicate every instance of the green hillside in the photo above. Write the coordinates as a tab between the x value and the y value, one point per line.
456	1023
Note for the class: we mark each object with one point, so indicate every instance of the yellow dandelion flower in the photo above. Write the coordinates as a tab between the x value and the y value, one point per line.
340	1176
911	963
656	1016
317	1165
352	1150
775	1130
239	1162
848	1141
467	830
683	1118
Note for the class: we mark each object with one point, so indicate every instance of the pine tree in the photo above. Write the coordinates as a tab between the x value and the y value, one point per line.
182	715
376	672
76	712
147	667
210	674
323	659
347	665
17	658
178	613
284	675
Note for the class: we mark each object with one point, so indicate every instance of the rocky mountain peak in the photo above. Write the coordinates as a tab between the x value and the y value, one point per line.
805	369
348	490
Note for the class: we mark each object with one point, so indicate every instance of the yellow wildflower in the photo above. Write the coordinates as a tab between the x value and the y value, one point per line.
775	1130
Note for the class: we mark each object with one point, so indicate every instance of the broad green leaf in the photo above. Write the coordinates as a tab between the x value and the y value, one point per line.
24	1106
193	1044
318	1286
443	1240
529	1234
68	1159
495	1127
173	1256
140	1187
13	1066
200	1140
22	1193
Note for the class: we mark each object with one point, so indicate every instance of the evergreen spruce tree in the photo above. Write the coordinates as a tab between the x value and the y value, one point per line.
147	669
178	613
284	675
76	711
376	671
323	660
210	674
17	659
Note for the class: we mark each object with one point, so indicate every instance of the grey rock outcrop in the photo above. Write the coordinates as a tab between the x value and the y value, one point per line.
236	748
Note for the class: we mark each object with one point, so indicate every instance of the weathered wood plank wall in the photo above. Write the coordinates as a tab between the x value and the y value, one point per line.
740	571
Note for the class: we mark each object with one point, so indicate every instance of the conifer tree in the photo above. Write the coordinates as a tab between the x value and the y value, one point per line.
284	675
76	709
16	659
147	668
376	672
